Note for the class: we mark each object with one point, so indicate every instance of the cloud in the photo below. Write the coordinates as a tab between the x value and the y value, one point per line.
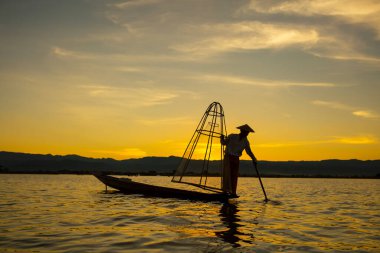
64	53
135	3
258	82
363	113
334	42
344	56
128	69
247	35
316	39
355	140
343	47
347	8
135	96
151	30
349	140
121	58
131	97
365	11
333	105
366	114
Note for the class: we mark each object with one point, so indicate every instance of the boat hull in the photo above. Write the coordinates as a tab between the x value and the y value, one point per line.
130	187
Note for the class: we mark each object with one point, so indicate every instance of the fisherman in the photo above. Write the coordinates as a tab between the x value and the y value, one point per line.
235	144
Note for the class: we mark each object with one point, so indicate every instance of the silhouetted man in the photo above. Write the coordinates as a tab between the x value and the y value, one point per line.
235	144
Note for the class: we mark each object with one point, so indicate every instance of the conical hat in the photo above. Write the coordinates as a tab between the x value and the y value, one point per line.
246	128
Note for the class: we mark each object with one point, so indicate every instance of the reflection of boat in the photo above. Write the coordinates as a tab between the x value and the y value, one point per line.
126	185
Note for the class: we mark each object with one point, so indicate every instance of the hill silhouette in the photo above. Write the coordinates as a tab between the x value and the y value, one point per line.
11	162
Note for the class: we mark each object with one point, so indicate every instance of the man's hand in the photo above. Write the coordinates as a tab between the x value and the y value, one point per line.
222	139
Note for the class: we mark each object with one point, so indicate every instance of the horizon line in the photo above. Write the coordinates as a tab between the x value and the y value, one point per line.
131	158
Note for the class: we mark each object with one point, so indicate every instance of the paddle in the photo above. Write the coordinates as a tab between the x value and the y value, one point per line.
261	183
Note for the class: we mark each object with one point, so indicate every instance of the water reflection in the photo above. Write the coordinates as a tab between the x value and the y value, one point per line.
233	234
72	216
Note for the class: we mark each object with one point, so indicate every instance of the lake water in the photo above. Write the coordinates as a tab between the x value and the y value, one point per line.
72	213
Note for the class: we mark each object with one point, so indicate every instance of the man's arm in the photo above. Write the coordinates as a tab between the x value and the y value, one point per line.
223	140
250	153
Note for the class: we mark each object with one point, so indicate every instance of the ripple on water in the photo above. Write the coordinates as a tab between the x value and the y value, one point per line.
67	213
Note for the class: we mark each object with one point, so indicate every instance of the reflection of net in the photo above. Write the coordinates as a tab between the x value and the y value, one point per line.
202	162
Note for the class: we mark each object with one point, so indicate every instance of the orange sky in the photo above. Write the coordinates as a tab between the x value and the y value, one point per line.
127	79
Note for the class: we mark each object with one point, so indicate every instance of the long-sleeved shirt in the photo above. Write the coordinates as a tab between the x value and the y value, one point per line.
235	145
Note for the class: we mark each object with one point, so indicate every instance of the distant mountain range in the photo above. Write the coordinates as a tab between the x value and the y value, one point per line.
11	162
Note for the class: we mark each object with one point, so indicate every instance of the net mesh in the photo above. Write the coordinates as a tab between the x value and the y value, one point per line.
202	161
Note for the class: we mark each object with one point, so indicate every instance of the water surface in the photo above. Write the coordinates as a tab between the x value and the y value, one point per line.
71	213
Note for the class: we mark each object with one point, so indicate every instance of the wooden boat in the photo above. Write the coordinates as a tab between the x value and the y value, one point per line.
210	129
128	186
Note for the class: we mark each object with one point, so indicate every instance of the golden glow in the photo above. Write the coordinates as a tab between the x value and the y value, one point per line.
365	114
214	152
132	79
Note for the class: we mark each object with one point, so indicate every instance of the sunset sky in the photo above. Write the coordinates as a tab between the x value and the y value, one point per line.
128	79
